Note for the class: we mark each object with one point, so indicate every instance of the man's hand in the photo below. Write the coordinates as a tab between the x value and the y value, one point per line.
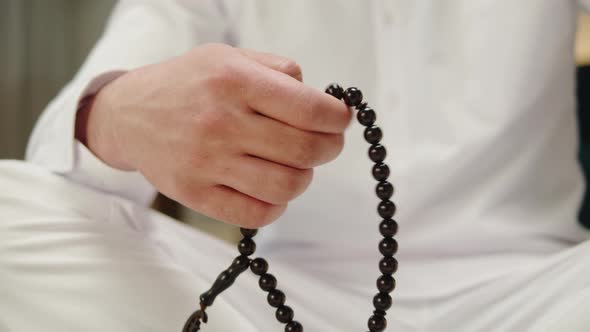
231	133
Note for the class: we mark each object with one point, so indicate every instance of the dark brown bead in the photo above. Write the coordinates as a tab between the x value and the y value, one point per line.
386	209
377	153
366	116
380	171
388	247
386	283
382	301
294	326
384	190
388	227
353	97
248	232
259	266
373	134
241	263
267	282
335	90
284	314
377	323
247	246
388	265
276	298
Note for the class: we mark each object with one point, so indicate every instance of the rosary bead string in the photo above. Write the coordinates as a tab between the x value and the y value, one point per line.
388	246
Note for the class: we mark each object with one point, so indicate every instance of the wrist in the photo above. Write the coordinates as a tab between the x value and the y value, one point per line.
95	128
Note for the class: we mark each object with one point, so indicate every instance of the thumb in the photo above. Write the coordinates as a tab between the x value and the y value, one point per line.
275	62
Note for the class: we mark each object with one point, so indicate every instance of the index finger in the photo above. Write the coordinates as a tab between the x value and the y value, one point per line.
285	99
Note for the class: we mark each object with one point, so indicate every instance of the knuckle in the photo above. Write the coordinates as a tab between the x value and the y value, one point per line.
222	67
223	77
305	153
232	69
290	67
294	184
290	185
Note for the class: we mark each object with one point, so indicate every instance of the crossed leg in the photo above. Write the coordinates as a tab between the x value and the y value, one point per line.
547	296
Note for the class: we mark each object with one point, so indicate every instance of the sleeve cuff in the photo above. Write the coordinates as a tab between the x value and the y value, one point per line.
65	155
92	172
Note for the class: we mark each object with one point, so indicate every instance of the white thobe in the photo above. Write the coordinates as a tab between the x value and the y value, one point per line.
476	99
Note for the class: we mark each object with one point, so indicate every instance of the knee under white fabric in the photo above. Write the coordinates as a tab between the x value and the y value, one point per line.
73	259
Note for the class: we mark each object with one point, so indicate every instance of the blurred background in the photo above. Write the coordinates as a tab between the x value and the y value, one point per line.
44	42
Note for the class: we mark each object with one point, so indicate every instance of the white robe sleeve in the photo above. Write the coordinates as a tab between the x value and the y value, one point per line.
139	32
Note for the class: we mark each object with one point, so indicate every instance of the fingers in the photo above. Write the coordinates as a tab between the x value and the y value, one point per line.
285	99
276	62
233	207
257	135
248	191
277	142
266	181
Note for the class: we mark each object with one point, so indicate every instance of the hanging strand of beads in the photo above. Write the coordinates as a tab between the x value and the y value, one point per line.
382	301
